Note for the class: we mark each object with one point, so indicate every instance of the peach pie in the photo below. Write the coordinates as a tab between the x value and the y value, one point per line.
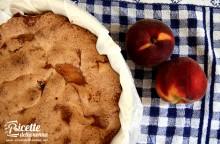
51	74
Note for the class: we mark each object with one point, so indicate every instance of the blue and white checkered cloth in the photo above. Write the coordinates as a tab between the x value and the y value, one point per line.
197	35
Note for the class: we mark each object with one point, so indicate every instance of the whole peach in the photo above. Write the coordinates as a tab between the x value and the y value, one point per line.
180	81
149	42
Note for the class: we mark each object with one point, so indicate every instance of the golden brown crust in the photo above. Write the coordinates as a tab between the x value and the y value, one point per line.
51	73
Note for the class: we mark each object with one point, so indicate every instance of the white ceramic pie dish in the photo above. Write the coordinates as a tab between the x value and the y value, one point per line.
129	103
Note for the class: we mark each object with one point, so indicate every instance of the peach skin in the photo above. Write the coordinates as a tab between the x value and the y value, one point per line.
181	80
149	42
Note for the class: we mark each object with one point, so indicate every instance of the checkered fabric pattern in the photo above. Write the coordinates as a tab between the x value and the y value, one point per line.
197	35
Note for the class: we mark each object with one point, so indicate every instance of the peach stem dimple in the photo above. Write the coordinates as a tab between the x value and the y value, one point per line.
153	40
